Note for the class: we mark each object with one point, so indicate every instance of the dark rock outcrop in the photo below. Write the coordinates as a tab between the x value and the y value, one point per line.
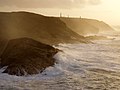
24	56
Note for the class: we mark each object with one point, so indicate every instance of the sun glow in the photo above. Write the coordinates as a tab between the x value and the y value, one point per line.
104	10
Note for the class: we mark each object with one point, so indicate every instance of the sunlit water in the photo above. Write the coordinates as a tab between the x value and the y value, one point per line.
78	67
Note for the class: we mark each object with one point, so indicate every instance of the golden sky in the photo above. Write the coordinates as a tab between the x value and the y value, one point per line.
104	10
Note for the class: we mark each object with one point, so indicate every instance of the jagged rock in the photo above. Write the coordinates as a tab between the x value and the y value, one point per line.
25	56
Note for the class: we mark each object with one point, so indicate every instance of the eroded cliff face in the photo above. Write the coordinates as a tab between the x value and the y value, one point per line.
25	56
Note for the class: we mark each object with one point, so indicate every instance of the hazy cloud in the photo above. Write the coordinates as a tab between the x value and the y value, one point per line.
47	3
94	2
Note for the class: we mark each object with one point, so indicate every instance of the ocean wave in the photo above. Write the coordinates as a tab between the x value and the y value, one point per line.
78	67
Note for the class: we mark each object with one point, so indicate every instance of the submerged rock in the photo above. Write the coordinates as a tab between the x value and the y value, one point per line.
26	56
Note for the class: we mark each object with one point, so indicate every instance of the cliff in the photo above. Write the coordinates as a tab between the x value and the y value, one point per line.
84	26
48	30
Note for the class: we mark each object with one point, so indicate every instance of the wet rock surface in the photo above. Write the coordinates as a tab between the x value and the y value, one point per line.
25	56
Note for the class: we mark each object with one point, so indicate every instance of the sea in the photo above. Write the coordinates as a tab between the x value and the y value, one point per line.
93	66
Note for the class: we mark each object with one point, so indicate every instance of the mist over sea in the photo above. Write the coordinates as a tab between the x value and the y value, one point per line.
78	67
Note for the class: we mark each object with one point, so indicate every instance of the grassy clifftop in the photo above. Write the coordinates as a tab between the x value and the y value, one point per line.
85	26
50	30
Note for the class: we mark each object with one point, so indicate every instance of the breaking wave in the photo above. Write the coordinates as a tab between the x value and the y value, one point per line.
78	67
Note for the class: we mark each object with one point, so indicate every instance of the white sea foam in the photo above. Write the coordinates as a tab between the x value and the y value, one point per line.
78	67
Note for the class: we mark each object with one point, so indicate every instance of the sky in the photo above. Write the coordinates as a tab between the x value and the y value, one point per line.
103	10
